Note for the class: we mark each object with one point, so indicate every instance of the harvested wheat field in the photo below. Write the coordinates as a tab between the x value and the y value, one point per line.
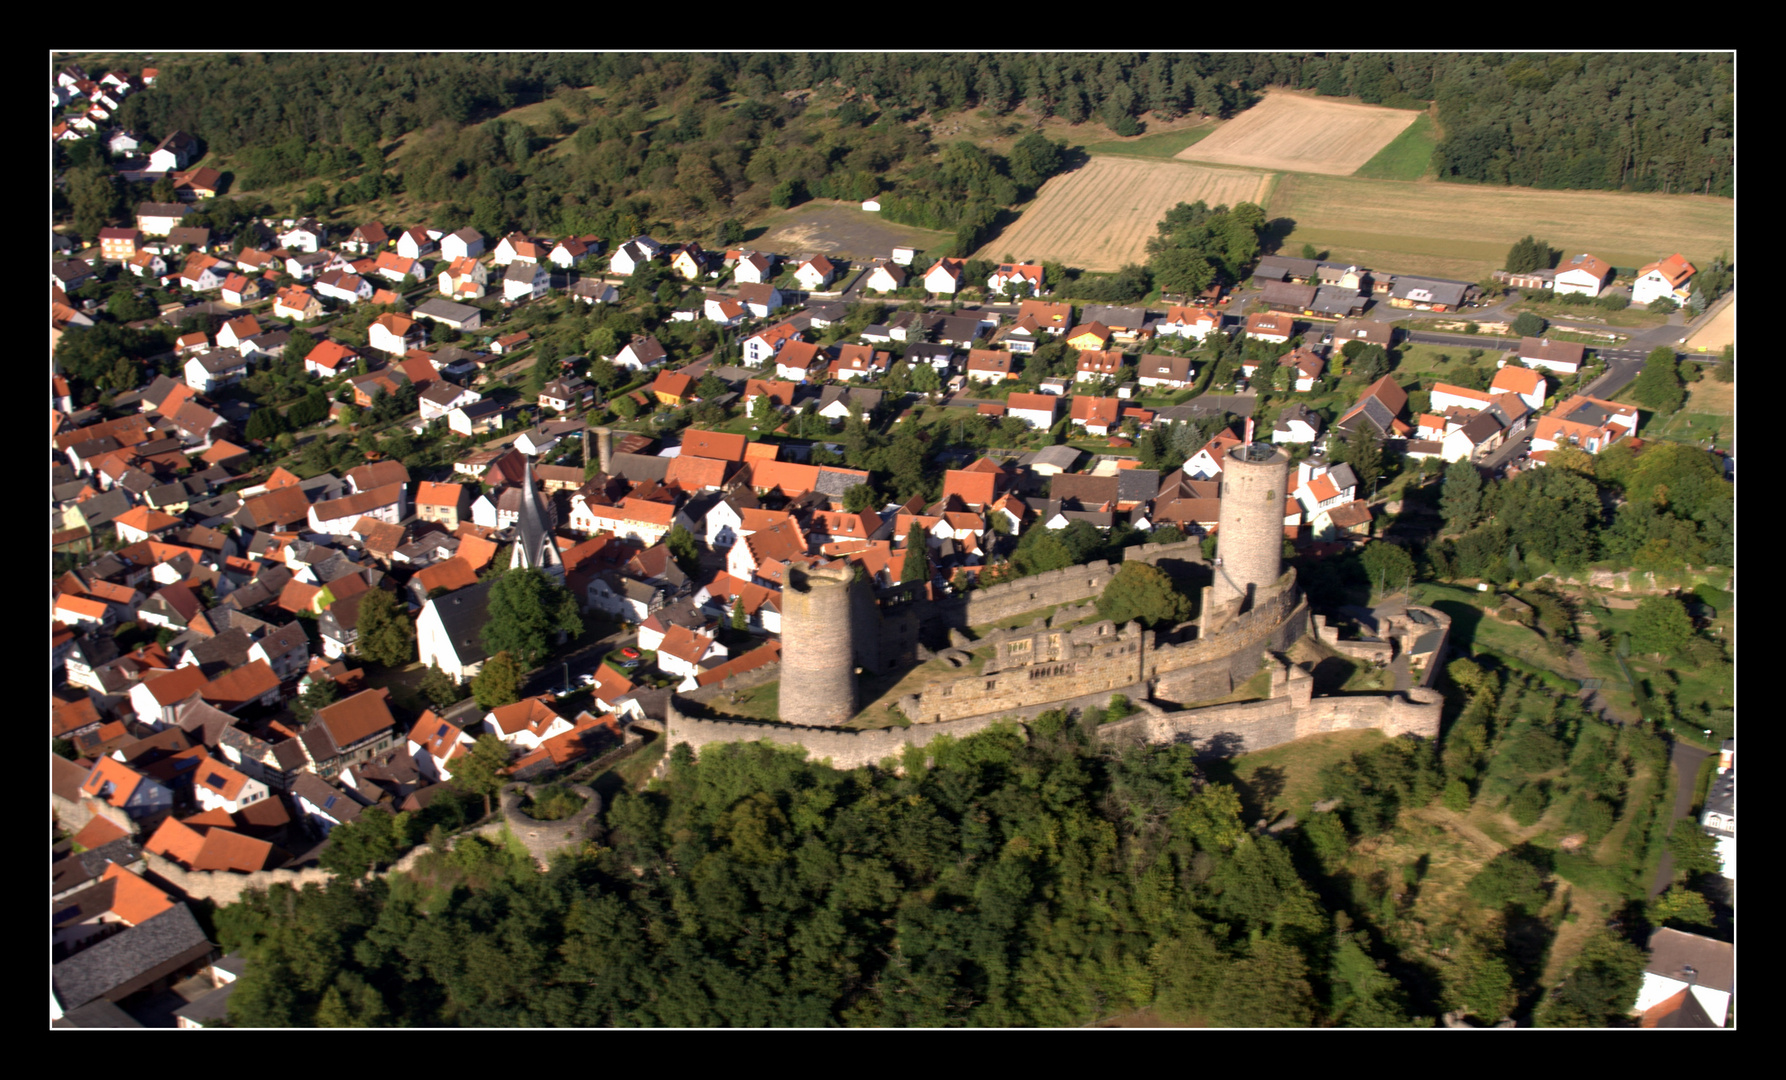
1099	216
1718	331
1464	230
1302	134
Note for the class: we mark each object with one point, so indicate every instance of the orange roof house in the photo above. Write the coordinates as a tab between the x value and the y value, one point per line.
714	444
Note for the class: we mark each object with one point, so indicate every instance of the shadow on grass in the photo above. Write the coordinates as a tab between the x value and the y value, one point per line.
1464	620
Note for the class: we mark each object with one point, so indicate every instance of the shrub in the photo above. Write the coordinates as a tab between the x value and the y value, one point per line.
1508	881
1457	796
1528	805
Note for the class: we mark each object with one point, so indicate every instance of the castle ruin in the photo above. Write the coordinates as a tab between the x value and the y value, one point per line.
1183	678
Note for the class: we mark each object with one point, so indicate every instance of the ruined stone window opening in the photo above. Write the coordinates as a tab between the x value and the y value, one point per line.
1020	646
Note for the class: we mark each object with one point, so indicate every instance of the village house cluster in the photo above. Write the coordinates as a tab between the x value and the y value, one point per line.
185	749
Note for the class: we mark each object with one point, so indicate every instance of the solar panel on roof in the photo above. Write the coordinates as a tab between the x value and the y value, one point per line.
214	780
330	801
441	731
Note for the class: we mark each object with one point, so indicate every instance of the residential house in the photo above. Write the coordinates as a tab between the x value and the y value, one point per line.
1296	424
1369	331
174	152
859	362
1686	972
1587	423
466	243
367	239
987	365
1308	367
1036	410
1007	273
946	276
388	503
149	264
1430	294
815	273
1564	357
413	244
755	268
568	253
117	784
393	333
526	724
1273	326
1090	335
690	261
671	388
202	273
628	257
463	279
1095	366
295	302
1584	275
214	370
641	353
305	234
1667	279
329	359
1191	322
433	742
1172	372
457	316
594	291
477	418
348	732
524	281
216	786
801	362
765	344
682	652
1379	408
119	245
1097	415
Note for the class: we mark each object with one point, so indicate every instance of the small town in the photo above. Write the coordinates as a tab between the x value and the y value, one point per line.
454	568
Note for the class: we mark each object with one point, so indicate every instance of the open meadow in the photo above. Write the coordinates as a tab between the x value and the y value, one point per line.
1099	216
1302	134
1463	231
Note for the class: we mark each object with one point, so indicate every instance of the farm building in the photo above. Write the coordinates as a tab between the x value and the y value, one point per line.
1583	274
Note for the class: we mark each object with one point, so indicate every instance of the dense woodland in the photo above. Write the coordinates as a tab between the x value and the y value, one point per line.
745	130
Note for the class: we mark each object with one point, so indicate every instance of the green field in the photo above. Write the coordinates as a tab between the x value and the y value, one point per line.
1408	157
1165	144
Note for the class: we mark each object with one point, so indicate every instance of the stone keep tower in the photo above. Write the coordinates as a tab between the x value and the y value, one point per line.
1250	535
818	657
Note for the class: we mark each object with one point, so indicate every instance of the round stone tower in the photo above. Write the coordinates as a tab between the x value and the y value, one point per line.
604	447
1250	536
818	656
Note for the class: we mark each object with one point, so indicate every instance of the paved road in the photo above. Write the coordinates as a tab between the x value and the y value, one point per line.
1687	760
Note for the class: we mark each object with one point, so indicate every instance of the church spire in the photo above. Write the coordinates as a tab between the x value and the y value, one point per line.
534	547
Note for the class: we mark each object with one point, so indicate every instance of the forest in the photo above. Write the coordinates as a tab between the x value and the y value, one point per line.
629	139
1001	879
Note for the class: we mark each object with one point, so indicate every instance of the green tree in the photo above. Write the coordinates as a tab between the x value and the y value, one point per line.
916	568
1528	324
1681	907
1600	987
1658	385
1145	593
1460	498
1457	796
1725	370
684	549
1660	626
1527	255
386	634
498	682
860	497
481	771
321	692
527	609
1269	988
438	687
1508	882
1364	453
373	840
1695	851
740	620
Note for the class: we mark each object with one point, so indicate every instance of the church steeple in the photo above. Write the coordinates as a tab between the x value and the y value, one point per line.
534	547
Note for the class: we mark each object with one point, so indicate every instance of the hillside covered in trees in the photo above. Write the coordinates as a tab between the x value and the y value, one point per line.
698	137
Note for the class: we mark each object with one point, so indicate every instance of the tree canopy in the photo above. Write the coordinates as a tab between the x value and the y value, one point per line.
527	609
1143	593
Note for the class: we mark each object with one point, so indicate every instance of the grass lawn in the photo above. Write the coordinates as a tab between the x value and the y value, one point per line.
1405	158
1164	144
1590	314
1708	412
1288	777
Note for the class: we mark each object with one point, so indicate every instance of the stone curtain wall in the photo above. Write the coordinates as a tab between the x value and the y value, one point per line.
1071	585
542	838
844	749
